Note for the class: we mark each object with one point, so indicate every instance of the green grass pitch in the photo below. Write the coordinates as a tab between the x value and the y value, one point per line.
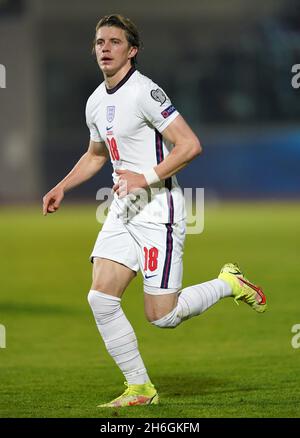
229	362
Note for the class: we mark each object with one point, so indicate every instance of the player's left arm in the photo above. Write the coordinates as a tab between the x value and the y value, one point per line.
186	147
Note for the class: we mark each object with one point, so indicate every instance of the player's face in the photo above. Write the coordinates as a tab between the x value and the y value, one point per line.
112	49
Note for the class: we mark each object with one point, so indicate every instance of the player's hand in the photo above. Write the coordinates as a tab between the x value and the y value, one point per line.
129	182
52	200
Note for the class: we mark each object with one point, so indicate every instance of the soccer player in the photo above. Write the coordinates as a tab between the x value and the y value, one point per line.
132	121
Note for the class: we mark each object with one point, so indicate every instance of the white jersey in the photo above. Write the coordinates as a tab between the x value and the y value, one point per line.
130	118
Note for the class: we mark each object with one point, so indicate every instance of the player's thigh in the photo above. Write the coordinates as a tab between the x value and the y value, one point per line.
157	306
114	256
159	249
111	277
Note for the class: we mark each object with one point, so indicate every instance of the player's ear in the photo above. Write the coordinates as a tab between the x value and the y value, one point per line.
132	52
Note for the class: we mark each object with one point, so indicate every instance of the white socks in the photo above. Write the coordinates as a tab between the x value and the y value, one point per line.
118	336
194	300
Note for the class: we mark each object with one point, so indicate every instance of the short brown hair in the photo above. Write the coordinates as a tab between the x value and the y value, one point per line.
131	32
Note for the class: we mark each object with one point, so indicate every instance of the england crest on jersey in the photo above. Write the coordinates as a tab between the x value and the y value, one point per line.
110	113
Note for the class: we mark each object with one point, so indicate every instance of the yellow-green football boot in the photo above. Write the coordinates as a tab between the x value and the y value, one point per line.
134	395
243	289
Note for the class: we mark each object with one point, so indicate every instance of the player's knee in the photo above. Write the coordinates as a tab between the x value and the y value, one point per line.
100	282
105	307
170	320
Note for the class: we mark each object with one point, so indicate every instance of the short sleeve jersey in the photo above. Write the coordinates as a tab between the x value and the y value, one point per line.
130	119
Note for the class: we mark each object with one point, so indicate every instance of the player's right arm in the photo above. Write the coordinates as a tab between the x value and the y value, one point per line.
89	164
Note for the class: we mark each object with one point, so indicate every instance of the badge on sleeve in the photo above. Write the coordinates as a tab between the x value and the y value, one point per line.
159	96
168	111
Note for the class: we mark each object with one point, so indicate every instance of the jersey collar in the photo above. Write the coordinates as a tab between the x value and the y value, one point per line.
122	82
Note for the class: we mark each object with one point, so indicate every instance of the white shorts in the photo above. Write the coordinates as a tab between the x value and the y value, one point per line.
155	249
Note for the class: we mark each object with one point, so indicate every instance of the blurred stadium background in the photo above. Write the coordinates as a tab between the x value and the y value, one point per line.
227	67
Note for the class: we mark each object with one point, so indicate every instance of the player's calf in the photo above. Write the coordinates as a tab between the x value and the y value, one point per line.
171	320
